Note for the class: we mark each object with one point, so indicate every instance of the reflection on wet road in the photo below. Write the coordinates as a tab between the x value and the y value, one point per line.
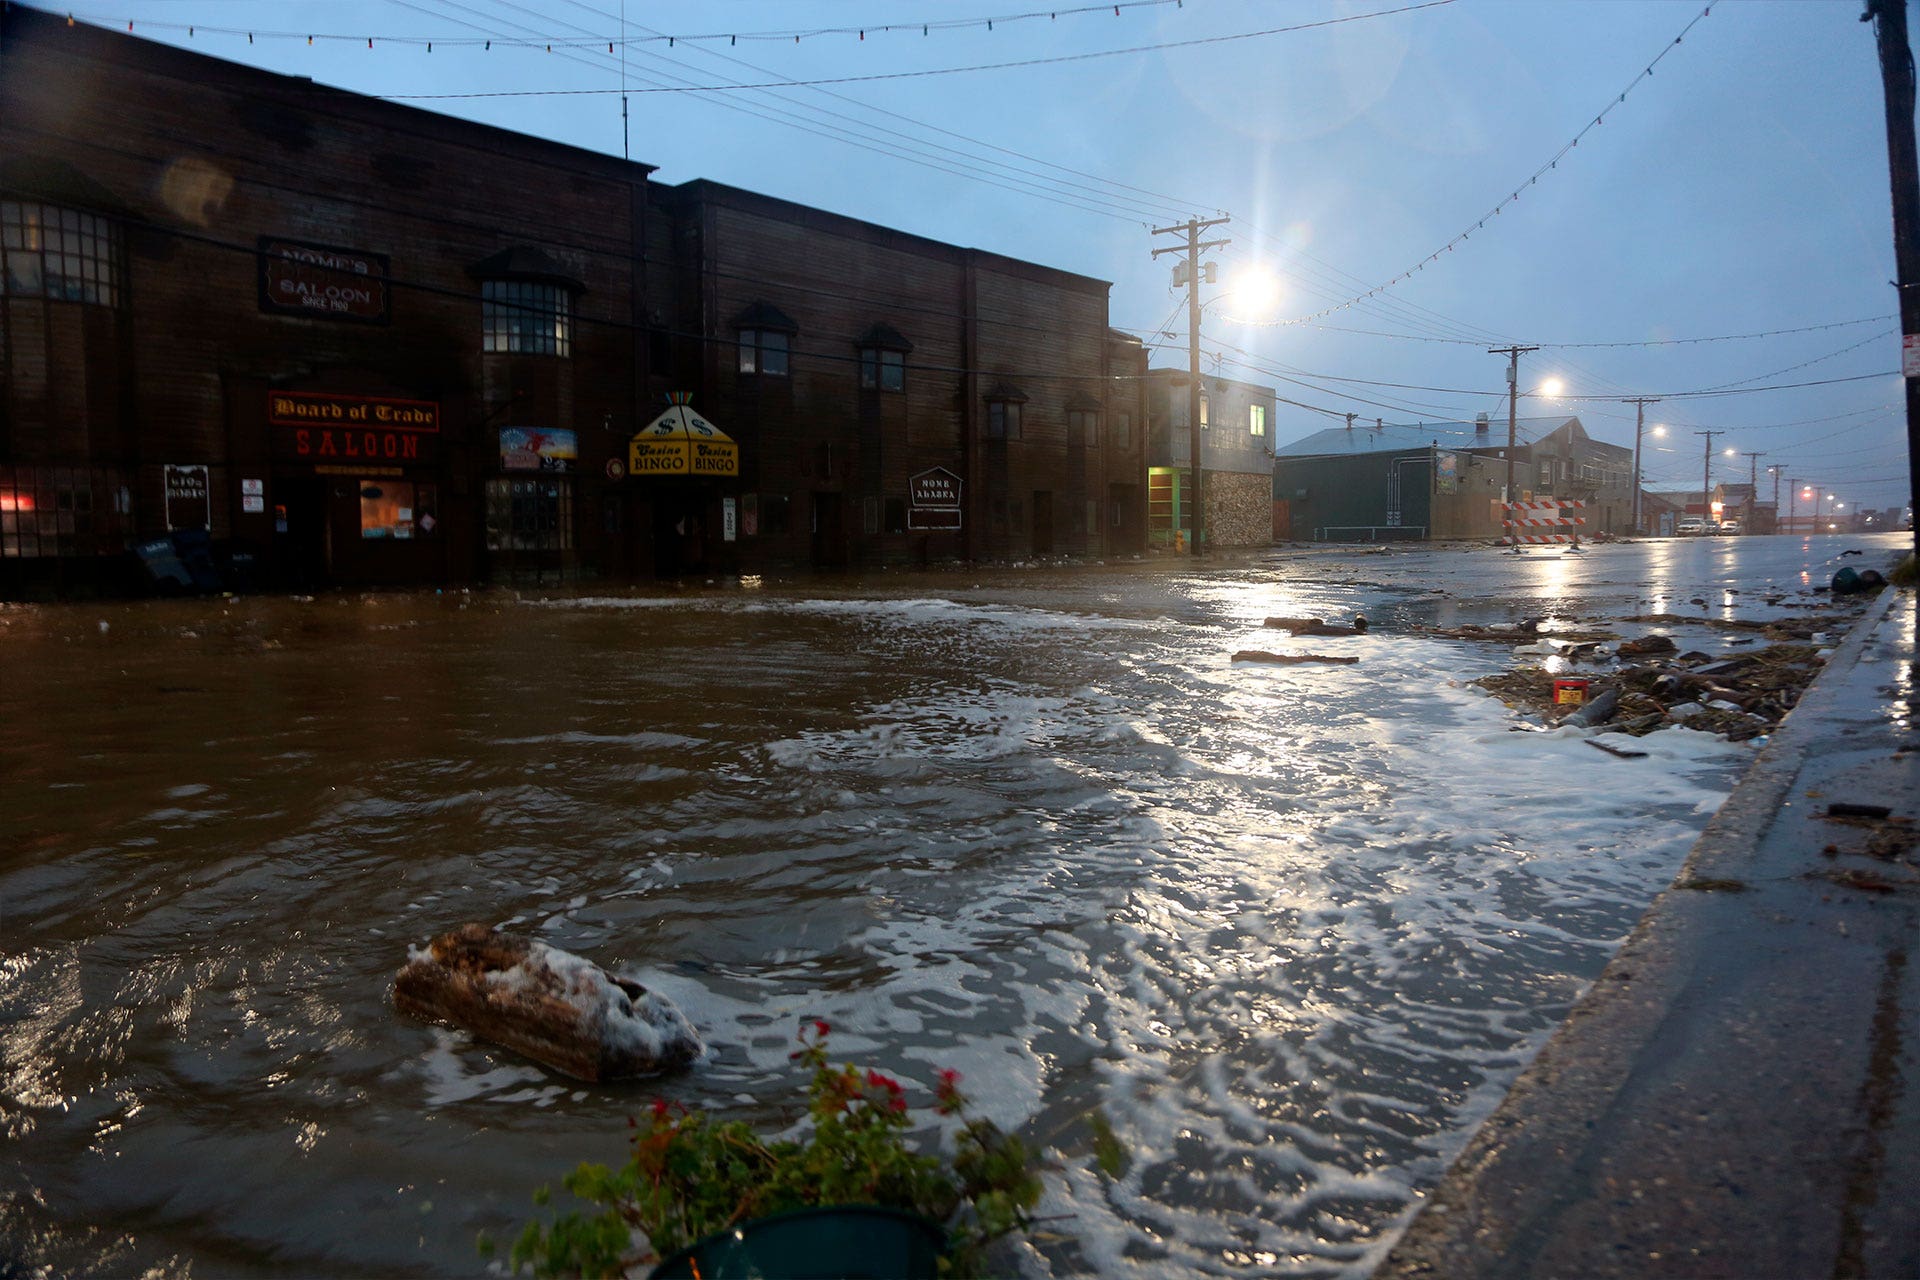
1291	929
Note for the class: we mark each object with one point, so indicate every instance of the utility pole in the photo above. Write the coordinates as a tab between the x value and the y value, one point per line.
1513	355
1793	492
1889	18
1640	404
1753	490
1196	513
1775	472
1706	474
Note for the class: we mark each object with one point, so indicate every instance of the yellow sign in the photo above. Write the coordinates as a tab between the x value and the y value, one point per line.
682	443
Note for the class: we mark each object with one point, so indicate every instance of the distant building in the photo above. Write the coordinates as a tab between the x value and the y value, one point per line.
1236	441
1568	463
1393	482
1741	502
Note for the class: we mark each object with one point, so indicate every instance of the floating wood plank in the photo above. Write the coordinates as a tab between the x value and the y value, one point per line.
1288	659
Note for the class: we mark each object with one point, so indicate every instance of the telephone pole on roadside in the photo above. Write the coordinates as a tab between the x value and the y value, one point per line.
1706	474
1513	355
1640	404
1193	248
1889	19
1753	491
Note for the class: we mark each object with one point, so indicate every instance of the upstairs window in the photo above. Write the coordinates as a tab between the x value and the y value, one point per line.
1257	421
523	317
765	335
883	370
1123	430
883	359
764	351
1083	424
1206	413
1004	401
1003	419
526	303
63	254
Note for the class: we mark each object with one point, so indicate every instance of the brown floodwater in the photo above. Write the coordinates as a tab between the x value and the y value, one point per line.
1291	930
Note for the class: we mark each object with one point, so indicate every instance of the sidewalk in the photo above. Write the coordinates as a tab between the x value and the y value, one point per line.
1739	1092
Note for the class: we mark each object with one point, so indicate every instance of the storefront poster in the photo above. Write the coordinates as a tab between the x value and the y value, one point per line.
537	449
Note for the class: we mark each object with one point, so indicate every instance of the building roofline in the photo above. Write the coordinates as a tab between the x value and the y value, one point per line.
708	191
24	28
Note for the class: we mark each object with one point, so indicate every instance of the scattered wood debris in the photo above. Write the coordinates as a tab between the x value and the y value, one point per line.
1739	698
1318	627
1287	659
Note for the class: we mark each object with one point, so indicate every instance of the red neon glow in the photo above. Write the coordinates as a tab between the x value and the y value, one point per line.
16	502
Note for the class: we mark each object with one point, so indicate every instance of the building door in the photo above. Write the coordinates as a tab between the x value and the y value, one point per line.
303	542
680	534
1042	522
829	531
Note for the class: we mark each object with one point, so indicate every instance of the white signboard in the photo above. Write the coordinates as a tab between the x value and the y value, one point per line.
729	519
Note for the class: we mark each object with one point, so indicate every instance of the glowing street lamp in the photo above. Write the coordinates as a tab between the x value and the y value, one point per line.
1255	291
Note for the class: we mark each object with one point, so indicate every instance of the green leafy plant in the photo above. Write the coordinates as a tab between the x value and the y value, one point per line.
691	1175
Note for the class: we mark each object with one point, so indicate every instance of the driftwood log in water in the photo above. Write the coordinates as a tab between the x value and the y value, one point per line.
548	1004
1317	627
1287	659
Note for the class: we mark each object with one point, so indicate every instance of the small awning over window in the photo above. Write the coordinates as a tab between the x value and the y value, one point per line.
1004	390
682	443
524	262
764	315
883	337
54	181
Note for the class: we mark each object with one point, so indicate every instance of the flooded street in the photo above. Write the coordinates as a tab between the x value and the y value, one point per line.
1292	930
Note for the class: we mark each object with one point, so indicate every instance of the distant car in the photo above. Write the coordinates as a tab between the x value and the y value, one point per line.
1690	525
1729	526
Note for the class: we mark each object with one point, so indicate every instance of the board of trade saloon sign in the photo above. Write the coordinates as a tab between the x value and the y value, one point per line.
314	426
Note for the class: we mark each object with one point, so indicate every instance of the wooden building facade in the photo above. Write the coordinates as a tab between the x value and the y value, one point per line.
285	335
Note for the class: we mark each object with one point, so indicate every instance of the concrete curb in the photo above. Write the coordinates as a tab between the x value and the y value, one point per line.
1727	1099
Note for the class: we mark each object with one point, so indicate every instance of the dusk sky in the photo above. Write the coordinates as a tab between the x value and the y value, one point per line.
1740	189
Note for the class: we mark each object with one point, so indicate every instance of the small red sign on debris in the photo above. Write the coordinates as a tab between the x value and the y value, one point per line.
1569	692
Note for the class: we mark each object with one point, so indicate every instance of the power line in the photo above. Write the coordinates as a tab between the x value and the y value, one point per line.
938	71
1645	342
1158	202
1782	386
970	167
794	35
1120	201
1532	179
1805	364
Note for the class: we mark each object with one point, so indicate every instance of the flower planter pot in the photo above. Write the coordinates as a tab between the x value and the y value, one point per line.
844	1242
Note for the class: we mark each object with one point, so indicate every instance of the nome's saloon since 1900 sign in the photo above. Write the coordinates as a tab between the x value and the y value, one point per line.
322	282
322	428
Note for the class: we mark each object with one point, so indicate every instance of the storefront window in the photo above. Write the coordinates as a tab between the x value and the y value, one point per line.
396	509
64	511
533	514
